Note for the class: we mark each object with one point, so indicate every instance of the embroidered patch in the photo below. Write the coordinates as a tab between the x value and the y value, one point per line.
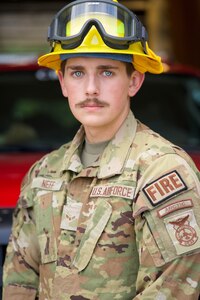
113	190
164	187
183	231
70	215
47	184
174	207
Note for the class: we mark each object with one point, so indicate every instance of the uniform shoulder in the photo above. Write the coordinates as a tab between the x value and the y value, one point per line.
150	147
52	162
148	140
49	165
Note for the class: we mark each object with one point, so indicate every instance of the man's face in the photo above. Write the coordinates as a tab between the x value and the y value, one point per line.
98	91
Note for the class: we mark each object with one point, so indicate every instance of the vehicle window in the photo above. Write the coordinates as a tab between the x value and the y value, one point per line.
35	116
170	105
33	112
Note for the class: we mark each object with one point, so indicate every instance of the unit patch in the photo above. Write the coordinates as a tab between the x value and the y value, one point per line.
174	206
183	231
113	190
164	187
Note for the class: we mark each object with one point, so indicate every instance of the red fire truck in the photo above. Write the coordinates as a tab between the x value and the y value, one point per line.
35	119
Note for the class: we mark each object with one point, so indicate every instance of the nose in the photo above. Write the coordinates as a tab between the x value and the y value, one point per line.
92	86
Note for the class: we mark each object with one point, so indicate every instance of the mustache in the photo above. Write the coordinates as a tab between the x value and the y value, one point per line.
91	101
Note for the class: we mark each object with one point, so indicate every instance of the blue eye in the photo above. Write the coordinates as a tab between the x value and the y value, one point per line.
108	73
78	74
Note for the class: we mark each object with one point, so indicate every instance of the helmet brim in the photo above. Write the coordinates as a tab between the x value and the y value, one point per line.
142	62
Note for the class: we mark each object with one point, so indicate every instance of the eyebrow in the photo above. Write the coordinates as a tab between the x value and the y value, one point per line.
107	67
100	67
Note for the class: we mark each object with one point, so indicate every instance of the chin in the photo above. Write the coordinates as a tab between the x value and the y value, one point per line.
93	121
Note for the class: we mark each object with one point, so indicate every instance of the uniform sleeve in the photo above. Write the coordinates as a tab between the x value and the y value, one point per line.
21	267
167	224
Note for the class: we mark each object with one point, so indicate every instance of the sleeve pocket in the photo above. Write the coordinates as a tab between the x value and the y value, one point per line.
165	241
158	242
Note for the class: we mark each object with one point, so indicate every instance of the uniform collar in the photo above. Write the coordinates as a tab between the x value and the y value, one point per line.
113	159
116	153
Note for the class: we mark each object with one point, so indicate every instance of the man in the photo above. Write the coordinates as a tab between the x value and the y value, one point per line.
115	213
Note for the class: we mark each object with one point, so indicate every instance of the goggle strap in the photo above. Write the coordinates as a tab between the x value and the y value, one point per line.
143	42
144	33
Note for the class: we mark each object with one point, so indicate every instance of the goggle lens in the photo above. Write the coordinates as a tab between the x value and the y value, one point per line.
111	25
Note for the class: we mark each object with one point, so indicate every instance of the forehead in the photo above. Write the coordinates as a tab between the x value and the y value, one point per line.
87	62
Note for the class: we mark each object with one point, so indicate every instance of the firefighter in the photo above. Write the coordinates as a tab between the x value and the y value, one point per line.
114	214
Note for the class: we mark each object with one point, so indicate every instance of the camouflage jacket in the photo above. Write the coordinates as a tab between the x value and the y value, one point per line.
127	227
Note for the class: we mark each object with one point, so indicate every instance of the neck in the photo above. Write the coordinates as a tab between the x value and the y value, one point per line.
97	136
103	133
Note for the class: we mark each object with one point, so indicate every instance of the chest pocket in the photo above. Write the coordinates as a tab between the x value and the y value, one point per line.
49	200
93	232
45	228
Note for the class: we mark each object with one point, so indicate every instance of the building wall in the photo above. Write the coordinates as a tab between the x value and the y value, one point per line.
173	26
185	28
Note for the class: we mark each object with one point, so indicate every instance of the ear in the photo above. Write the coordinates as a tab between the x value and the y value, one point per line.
62	83
136	81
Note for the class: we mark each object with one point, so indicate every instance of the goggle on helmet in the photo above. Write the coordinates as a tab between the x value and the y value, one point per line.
102	26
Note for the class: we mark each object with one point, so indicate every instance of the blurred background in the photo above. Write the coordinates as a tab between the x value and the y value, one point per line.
173	26
30	125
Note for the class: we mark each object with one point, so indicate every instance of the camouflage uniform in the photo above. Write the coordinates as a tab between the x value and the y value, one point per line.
126	228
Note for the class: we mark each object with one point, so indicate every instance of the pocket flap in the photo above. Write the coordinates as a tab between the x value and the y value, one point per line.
92	234
48	248
19	292
46	228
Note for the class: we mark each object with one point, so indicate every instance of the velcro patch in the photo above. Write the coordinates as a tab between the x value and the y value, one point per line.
47	184
183	231
113	190
164	188
70	215
168	209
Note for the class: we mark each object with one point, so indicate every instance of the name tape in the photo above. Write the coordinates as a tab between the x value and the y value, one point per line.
113	190
47	184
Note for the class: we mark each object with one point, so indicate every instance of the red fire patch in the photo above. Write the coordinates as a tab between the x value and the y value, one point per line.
164	187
